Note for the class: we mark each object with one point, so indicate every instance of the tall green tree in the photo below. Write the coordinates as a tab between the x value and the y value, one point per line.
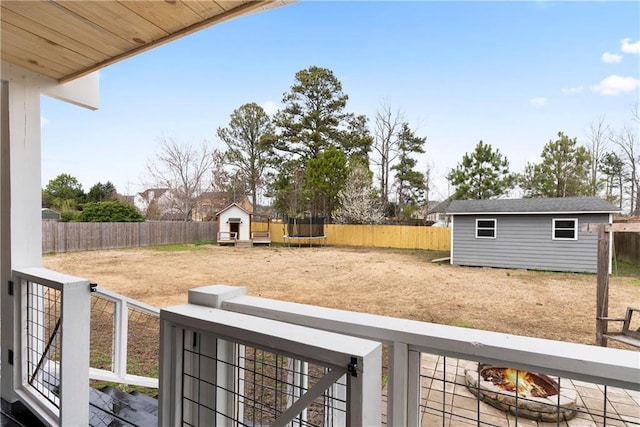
63	193
249	137
102	192
409	181
612	167
483	174
314	118
325	176
287	189
312	128
563	172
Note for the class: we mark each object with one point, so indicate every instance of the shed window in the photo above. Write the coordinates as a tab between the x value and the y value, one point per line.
486	228
565	229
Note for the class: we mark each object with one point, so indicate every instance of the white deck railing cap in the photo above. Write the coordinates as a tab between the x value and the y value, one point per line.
214	295
586	362
301	341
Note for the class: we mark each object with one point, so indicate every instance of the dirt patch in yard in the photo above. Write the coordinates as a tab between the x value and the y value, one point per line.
398	283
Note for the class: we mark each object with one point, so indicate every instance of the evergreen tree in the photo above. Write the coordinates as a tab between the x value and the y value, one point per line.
410	182
612	167
317	137
102	192
325	176
563	172
249	137
314	117
483	174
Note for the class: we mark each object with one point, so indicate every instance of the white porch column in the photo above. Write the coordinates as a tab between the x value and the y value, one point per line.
20	185
21	230
6	391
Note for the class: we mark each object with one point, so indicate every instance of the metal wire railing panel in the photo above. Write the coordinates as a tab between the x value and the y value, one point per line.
125	342
452	395
102	333
143	347
44	342
266	385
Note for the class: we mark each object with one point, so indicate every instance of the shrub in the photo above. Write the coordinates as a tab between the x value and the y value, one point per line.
70	216
113	211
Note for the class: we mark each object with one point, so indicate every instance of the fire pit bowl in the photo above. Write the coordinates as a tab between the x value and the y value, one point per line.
529	395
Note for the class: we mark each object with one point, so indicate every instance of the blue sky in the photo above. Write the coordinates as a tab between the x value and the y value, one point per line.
512	74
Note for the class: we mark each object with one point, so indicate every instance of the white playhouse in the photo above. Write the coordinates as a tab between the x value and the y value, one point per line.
234	224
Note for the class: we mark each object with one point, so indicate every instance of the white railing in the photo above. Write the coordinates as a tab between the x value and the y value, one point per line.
222	368
52	345
227	236
408	341
113	316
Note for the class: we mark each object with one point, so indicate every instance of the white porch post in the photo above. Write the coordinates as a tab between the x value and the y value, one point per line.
21	231
6	388
20	185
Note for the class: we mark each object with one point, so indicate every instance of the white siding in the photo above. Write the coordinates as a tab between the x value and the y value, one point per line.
236	212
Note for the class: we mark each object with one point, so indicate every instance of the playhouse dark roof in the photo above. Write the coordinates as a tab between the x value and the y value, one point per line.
532	206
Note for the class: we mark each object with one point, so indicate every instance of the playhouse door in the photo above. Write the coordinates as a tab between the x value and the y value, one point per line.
234	227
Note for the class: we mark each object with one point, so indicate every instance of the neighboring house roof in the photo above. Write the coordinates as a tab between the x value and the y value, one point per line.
221	199
231	206
153	193
439	207
551	205
213	200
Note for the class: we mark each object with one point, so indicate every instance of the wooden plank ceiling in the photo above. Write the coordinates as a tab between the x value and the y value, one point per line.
68	39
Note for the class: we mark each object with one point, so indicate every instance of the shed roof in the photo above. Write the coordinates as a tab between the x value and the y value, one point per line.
231	206
532	206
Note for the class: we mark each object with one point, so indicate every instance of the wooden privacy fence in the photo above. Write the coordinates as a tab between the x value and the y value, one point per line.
627	247
84	236
379	236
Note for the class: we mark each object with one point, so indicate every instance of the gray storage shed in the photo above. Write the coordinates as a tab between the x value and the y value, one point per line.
536	234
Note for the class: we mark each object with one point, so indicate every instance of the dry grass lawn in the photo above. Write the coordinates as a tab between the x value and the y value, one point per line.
398	283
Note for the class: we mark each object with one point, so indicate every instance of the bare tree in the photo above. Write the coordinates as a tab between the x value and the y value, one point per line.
387	125
182	169
598	135
626	141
